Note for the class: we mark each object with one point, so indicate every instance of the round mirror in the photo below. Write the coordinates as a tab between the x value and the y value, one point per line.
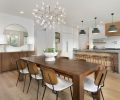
16	35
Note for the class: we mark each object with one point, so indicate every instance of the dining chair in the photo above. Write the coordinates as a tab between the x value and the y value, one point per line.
22	70
34	73
96	85
55	83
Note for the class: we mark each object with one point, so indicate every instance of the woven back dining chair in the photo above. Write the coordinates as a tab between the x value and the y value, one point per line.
55	83
95	85
22	71
35	73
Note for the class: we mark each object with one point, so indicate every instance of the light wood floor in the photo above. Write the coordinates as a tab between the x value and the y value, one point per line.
9	91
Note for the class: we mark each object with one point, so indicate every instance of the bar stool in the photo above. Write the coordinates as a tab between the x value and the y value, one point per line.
112	62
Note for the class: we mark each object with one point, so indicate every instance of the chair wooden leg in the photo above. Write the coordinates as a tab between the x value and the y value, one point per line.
71	92
24	83
17	79
57	93
93	95
102	93
38	89
29	84
44	92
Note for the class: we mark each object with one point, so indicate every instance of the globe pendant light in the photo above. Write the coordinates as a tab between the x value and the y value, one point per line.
82	31
112	27
95	30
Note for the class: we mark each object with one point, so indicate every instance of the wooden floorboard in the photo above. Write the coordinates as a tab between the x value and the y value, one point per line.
9	91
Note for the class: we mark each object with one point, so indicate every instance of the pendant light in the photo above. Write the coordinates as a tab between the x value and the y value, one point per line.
82	31
95	29
112	27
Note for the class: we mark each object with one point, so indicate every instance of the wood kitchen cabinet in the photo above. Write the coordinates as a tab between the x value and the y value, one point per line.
6	62
114	33
14	57
8	59
23	54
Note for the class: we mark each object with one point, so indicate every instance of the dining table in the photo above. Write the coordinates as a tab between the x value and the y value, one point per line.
76	69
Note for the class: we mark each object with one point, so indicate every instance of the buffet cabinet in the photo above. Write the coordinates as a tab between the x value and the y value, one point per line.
8	59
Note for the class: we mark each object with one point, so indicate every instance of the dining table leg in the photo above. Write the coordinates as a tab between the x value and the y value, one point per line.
78	87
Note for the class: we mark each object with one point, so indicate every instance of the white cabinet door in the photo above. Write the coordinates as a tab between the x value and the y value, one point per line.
67	44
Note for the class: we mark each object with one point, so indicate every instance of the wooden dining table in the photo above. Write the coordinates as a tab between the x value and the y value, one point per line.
75	69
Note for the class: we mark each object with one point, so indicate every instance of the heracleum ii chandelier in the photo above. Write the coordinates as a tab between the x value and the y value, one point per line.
48	14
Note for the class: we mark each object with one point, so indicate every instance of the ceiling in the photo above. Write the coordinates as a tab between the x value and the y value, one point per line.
76	10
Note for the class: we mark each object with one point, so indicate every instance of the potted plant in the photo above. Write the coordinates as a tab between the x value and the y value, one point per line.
50	54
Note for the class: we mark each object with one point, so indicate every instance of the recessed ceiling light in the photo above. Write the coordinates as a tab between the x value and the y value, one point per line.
21	12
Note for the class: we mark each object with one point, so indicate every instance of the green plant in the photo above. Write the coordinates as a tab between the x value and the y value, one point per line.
50	50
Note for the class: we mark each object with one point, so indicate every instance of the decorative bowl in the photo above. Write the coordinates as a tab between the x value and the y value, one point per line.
50	56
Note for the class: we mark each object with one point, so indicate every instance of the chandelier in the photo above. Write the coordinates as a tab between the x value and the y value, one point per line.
47	14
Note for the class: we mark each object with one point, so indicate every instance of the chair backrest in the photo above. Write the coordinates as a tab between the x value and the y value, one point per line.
33	68
99	81
49	76
21	64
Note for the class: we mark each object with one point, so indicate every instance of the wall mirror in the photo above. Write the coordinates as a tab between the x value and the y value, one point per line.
16	35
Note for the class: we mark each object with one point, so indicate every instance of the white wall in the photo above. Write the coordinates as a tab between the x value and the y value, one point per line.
6	19
112	42
45	39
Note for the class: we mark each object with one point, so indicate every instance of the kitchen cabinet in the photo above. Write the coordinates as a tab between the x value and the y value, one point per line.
114	33
29	53
6	62
8	59
67	44
23	54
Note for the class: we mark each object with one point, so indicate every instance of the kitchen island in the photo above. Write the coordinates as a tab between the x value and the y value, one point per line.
106	57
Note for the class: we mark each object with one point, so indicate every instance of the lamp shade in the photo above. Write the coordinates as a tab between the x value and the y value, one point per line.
112	28
95	30
82	32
